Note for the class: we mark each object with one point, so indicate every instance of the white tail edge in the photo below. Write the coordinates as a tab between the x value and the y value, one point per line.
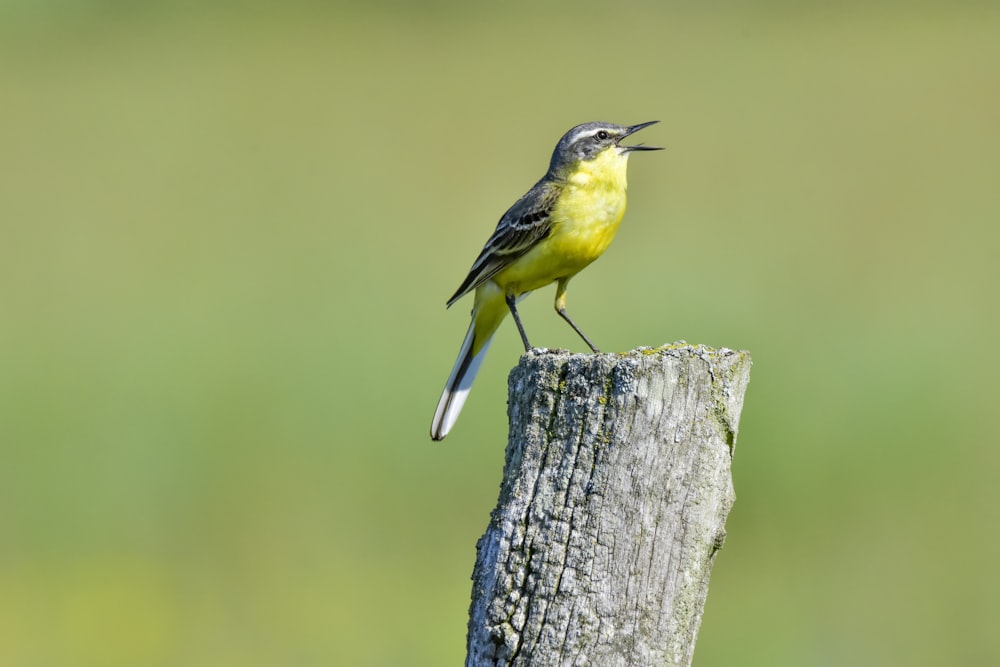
456	390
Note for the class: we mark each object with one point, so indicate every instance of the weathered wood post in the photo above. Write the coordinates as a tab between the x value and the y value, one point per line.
614	498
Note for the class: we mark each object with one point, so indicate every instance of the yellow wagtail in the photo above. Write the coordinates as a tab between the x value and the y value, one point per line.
565	222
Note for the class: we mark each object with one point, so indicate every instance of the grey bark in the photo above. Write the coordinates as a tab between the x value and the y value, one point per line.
612	507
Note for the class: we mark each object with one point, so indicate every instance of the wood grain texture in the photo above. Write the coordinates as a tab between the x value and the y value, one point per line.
614	497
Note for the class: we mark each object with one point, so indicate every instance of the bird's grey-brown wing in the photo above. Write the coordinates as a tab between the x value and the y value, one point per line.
526	223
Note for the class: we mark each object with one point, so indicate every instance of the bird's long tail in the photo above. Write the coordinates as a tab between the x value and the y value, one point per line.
459	383
488	312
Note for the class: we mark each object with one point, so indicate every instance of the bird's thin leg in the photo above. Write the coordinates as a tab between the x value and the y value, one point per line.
511	301
561	309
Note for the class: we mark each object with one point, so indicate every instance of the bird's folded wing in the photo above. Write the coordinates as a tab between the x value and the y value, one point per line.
520	229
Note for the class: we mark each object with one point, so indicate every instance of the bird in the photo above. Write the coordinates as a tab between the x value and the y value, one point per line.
556	229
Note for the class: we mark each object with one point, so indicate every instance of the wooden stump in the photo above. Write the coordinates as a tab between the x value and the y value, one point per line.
612	507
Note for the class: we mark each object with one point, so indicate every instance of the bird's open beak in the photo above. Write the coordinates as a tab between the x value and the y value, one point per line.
632	130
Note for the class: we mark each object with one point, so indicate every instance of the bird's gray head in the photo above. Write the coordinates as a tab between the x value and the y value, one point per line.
587	141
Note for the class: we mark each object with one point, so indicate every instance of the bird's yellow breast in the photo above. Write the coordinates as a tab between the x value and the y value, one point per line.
591	208
584	219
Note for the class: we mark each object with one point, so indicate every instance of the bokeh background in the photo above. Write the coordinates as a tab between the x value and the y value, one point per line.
227	232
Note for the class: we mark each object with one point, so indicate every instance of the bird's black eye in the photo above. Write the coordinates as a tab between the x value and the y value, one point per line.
602	135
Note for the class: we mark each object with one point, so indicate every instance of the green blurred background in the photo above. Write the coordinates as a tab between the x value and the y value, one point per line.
227	232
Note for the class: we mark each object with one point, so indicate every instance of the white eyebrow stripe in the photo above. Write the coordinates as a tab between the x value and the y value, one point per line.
584	132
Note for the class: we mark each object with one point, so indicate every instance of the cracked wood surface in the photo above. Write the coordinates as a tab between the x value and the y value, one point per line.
612	507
